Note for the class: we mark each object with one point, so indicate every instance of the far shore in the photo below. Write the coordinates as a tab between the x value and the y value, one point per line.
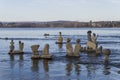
61	24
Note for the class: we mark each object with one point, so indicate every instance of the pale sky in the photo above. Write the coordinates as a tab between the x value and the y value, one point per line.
52	10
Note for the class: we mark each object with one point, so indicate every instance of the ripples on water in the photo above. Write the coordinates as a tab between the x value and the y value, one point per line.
21	67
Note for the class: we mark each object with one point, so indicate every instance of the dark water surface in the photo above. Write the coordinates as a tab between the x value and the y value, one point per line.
21	67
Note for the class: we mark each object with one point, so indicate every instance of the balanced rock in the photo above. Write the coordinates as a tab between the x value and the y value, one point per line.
35	51
69	48
77	48
45	53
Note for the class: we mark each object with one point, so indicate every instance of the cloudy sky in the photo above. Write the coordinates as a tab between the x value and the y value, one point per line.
51	10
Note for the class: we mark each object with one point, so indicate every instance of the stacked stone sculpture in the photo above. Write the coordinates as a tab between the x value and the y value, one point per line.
91	43
21	46
69	48
35	51
60	39
91	46
45	53
77	48
12	48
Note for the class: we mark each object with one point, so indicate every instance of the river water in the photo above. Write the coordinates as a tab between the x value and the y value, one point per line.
22	67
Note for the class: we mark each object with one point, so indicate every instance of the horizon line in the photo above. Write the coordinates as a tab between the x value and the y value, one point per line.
59	20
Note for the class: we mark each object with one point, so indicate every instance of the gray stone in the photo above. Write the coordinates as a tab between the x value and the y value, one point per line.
89	35
107	52
34	49
77	48
45	53
21	46
91	45
11	47
60	38
69	48
94	38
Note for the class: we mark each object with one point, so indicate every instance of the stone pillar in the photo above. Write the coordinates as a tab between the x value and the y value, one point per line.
46	50
107	52
94	38
45	53
89	35
77	48
34	49
91	43
60	38
11	47
21	46
69	48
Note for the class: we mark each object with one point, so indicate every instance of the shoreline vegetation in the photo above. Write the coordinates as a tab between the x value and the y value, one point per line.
61	24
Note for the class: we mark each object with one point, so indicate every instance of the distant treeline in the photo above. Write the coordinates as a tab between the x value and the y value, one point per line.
60	24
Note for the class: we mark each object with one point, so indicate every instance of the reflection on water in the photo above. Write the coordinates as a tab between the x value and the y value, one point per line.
35	66
60	46
42	69
72	67
21	56
13	60
106	70
12	57
68	68
90	70
45	65
77	68
46	69
87	67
